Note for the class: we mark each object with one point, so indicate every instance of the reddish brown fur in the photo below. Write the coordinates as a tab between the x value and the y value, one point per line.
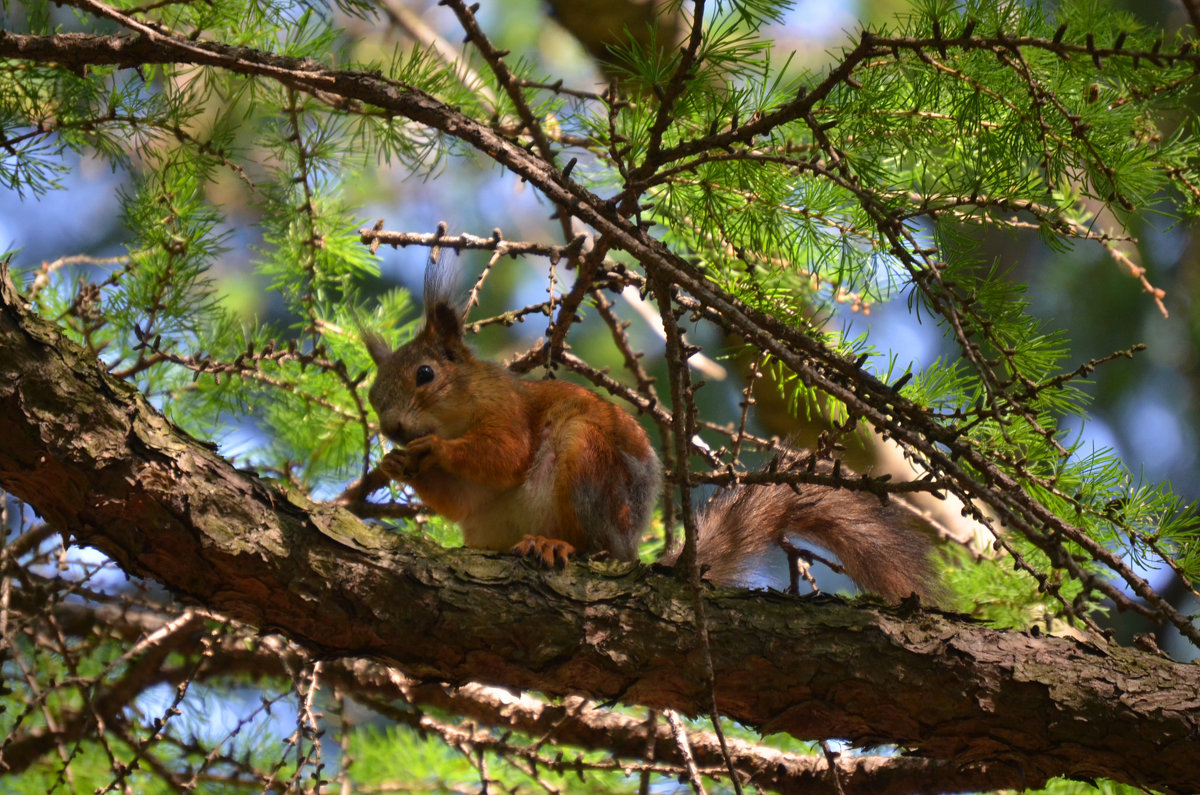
505	457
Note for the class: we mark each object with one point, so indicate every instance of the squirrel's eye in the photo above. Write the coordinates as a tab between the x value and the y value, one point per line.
424	374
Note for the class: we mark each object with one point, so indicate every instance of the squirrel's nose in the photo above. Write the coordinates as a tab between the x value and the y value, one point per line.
395	432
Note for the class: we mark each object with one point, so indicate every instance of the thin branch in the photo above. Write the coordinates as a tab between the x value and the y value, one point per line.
411	23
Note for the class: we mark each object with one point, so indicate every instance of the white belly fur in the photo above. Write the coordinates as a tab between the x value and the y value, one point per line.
499	518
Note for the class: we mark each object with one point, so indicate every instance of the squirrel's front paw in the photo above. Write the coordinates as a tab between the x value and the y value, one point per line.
419	455
550	552
405	463
393	464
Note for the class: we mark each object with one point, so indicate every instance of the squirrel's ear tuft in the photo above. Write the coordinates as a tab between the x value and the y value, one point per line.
442	281
443	312
376	346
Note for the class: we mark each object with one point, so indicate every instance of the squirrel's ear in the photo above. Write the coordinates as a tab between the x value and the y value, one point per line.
376	346
442	319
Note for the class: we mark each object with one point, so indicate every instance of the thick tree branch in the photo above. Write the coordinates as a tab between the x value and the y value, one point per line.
575	722
95	459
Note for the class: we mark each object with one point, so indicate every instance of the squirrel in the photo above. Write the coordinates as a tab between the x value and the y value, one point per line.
548	469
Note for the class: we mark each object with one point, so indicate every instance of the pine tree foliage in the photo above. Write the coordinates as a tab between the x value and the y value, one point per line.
722	180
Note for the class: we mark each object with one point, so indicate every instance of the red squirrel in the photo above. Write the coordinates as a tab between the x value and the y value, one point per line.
548	469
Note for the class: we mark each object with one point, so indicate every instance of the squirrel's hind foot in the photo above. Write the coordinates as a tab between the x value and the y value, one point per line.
550	552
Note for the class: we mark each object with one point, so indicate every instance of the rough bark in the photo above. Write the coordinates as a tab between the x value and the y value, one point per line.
573	721
97	461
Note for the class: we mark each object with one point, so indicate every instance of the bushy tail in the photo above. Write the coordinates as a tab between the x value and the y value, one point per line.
883	548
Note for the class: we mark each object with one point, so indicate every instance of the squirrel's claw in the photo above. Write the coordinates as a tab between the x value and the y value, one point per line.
393	464
550	552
